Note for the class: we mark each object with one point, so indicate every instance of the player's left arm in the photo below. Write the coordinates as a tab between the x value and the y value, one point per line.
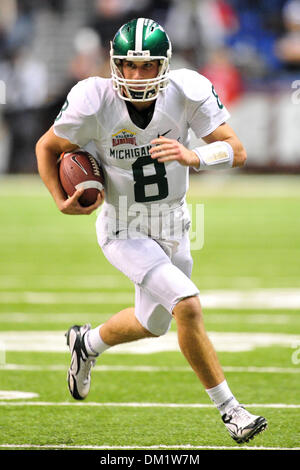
225	133
165	150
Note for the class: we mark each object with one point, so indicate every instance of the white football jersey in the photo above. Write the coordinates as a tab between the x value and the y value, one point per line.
94	114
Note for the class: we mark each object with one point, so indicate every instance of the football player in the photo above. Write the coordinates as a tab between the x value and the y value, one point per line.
139	123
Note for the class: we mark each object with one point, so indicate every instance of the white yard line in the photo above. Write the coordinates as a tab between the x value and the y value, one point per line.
54	341
101	281
255	299
72	317
139	405
16	395
28	297
121	368
117	281
233	318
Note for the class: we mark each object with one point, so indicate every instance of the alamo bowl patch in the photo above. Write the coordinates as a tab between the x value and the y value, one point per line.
123	137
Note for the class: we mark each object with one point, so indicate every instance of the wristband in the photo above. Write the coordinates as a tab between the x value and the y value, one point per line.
216	156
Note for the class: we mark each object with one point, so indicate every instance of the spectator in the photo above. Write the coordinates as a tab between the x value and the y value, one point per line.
7	21
205	23
21	25
288	46
26	91
110	14
25	78
226	78
253	42
89	58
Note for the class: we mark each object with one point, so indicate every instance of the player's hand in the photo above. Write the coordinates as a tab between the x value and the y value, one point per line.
166	150
72	205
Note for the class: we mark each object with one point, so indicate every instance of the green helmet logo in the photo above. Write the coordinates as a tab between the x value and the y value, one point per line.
141	39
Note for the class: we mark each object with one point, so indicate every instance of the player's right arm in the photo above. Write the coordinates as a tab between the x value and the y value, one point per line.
48	149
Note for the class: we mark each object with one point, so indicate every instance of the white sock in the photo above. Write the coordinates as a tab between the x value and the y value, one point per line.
222	397
94	343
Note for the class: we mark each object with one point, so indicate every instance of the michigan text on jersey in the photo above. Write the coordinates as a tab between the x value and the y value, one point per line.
128	153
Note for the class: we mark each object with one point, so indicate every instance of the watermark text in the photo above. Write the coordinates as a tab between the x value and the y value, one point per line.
296	94
161	221
2	92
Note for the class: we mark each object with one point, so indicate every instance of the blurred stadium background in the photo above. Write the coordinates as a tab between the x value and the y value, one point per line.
250	49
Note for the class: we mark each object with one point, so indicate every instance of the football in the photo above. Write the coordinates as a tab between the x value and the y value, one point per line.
80	169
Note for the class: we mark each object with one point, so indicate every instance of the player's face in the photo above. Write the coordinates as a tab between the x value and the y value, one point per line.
139	71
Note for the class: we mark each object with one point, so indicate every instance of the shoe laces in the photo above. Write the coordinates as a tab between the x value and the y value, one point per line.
89	362
239	412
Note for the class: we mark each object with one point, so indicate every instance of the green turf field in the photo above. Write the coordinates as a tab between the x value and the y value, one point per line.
52	275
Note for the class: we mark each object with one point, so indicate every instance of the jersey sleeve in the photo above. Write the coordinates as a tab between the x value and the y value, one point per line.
77	121
205	111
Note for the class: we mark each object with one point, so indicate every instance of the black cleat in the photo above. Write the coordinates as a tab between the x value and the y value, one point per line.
79	373
242	425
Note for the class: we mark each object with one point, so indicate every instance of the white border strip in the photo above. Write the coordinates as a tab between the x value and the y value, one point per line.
158	447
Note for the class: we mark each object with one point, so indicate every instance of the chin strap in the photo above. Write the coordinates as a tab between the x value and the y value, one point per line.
139	95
